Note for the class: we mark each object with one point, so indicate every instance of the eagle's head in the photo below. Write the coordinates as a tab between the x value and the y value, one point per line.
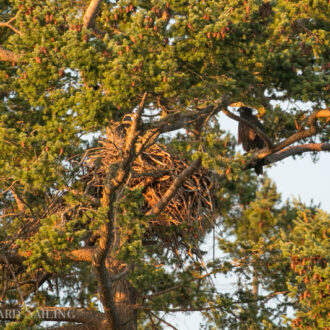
245	111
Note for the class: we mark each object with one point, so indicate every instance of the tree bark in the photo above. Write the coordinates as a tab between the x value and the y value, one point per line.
125	297
91	12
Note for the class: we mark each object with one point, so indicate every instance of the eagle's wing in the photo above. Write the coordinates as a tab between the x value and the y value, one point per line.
257	123
252	134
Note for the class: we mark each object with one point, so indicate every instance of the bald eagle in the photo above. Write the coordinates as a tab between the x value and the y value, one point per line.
248	136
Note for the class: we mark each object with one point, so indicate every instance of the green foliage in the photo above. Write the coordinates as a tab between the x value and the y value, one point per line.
307	245
71	82
26	320
250	243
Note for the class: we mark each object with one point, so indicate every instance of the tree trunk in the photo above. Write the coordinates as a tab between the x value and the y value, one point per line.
125	296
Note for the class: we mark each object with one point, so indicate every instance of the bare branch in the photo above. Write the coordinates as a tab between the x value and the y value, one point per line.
172	310
133	131
7	24
322	113
19	202
296	150
171	191
113	181
163	321
272	295
91	12
9	188
180	119
160	293
152	321
297	136
99	257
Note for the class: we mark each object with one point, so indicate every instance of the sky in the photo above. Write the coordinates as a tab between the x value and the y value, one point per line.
298	178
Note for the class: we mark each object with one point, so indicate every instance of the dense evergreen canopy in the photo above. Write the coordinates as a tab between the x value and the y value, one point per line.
114	166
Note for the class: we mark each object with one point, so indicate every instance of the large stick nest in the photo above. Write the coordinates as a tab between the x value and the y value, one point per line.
153	171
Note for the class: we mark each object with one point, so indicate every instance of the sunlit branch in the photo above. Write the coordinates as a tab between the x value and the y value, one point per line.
84	254
297	136
296	150
6	24
121	275
158	207
114	180
90	13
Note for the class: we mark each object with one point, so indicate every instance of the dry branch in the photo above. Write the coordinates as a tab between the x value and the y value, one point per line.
8	25
171	191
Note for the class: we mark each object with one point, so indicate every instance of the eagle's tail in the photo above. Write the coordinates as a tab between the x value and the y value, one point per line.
258	168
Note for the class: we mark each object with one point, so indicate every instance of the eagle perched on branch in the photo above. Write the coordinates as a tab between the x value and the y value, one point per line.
248	136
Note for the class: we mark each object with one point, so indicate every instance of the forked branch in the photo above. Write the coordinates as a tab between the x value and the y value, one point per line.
8	25
312	130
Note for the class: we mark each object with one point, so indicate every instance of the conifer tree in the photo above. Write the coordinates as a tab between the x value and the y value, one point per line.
114	166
